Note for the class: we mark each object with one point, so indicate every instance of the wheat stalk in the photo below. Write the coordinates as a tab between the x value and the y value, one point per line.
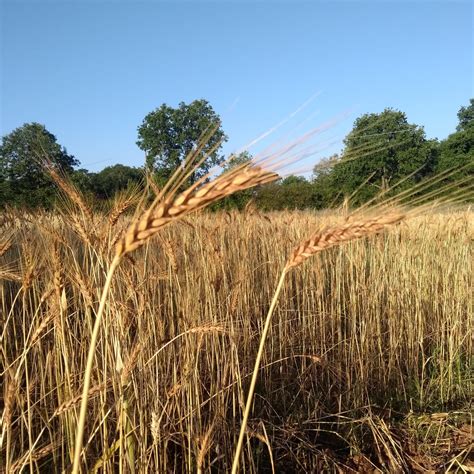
320	241
121	204
204	442
163	210
8	275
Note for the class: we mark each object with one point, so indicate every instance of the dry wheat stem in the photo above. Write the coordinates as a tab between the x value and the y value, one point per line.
89	363
160	213
253	383
319	242
4	246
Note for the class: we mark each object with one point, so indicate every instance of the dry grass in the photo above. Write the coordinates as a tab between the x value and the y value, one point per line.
368	364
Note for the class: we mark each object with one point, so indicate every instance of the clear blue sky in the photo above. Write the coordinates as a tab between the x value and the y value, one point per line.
91	70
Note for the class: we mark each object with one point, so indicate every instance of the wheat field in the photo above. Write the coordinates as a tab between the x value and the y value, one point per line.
368	365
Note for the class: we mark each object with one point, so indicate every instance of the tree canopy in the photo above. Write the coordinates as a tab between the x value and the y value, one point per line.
169	135
292	192
380	150
457	151
112	179
466	117
23	179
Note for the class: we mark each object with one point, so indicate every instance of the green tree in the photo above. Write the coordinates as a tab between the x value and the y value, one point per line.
23	180
113	179
168	135
292	192
382	149
237	160
466	117
83	180
298	193
457	151
325	190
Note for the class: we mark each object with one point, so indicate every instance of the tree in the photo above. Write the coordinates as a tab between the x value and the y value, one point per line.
298	193
382	149
169	135
466	117
457	151
23	179
237	159
325	190
113	179
83	180
325	166
292	192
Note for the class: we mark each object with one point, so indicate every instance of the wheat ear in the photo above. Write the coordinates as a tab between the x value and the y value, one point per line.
69	189
194	198
332	236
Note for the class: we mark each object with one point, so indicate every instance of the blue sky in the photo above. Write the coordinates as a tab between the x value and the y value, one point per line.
91	70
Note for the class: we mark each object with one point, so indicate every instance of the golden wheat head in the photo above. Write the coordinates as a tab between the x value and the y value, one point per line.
194	198
332	236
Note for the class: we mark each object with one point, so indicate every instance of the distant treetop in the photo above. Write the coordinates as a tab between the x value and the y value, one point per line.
466	117
23	179
169	135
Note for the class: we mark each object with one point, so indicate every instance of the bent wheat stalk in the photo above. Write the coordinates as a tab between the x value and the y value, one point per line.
320	241
162	211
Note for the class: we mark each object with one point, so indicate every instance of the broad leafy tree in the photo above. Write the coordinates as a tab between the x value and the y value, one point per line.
457	151
113	179
466	117
84	181
382	149
23	180
292	192
237	160
325	191
168	135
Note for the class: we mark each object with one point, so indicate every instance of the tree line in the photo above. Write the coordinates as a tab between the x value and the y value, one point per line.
382	149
